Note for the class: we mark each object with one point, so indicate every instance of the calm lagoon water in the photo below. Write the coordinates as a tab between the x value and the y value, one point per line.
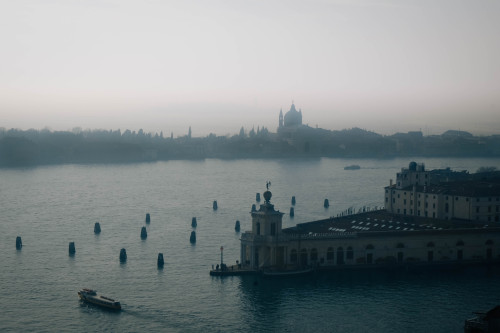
52	206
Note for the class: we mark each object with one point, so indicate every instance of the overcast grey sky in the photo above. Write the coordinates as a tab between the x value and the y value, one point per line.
385	66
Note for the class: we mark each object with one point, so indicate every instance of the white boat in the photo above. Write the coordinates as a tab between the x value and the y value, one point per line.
91	296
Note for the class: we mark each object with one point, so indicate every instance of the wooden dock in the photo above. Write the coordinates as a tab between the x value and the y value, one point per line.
233	270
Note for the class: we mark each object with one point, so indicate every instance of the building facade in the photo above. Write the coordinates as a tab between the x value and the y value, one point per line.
443	194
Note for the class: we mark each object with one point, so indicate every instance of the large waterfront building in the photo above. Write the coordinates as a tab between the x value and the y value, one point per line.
372	239
444	194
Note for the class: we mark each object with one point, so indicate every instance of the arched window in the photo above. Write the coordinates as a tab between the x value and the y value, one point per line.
369	247
460	243
340	256
430	244
349	253
303	257
329	253
400	246
314	255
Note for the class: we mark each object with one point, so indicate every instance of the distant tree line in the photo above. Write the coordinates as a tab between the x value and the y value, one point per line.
39	147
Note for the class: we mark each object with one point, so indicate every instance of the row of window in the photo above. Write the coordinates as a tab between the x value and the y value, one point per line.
349	253
446	197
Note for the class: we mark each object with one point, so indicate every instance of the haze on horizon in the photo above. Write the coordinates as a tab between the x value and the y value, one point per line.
385	65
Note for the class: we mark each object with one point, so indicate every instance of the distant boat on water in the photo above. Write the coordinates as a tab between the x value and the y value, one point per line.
352	167
91	296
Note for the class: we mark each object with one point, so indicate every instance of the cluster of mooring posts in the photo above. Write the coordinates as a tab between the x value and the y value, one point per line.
144	236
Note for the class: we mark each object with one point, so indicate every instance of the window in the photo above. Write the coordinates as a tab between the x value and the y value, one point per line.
456	198
433	205
340	256
477	209
446	207
293	256
329	253
273	229
314	255
350	253
404	201
258	228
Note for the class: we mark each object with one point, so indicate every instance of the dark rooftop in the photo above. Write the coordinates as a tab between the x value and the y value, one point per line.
380	220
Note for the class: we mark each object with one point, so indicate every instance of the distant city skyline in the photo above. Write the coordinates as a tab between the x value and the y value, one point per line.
386	66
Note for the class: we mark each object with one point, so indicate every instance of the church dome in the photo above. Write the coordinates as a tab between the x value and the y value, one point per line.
293	117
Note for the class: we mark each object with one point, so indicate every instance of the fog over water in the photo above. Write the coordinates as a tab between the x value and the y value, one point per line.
385	66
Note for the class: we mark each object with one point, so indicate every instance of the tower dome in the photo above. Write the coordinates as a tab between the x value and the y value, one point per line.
293	117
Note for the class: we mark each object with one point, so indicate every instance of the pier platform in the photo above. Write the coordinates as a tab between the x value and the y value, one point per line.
232	271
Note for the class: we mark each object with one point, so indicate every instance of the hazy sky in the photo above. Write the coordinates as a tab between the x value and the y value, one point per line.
385	66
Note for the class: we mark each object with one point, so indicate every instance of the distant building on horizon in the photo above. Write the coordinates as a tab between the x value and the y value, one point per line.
289	122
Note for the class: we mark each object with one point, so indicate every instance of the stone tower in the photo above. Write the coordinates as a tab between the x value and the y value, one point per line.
260	248
266	221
